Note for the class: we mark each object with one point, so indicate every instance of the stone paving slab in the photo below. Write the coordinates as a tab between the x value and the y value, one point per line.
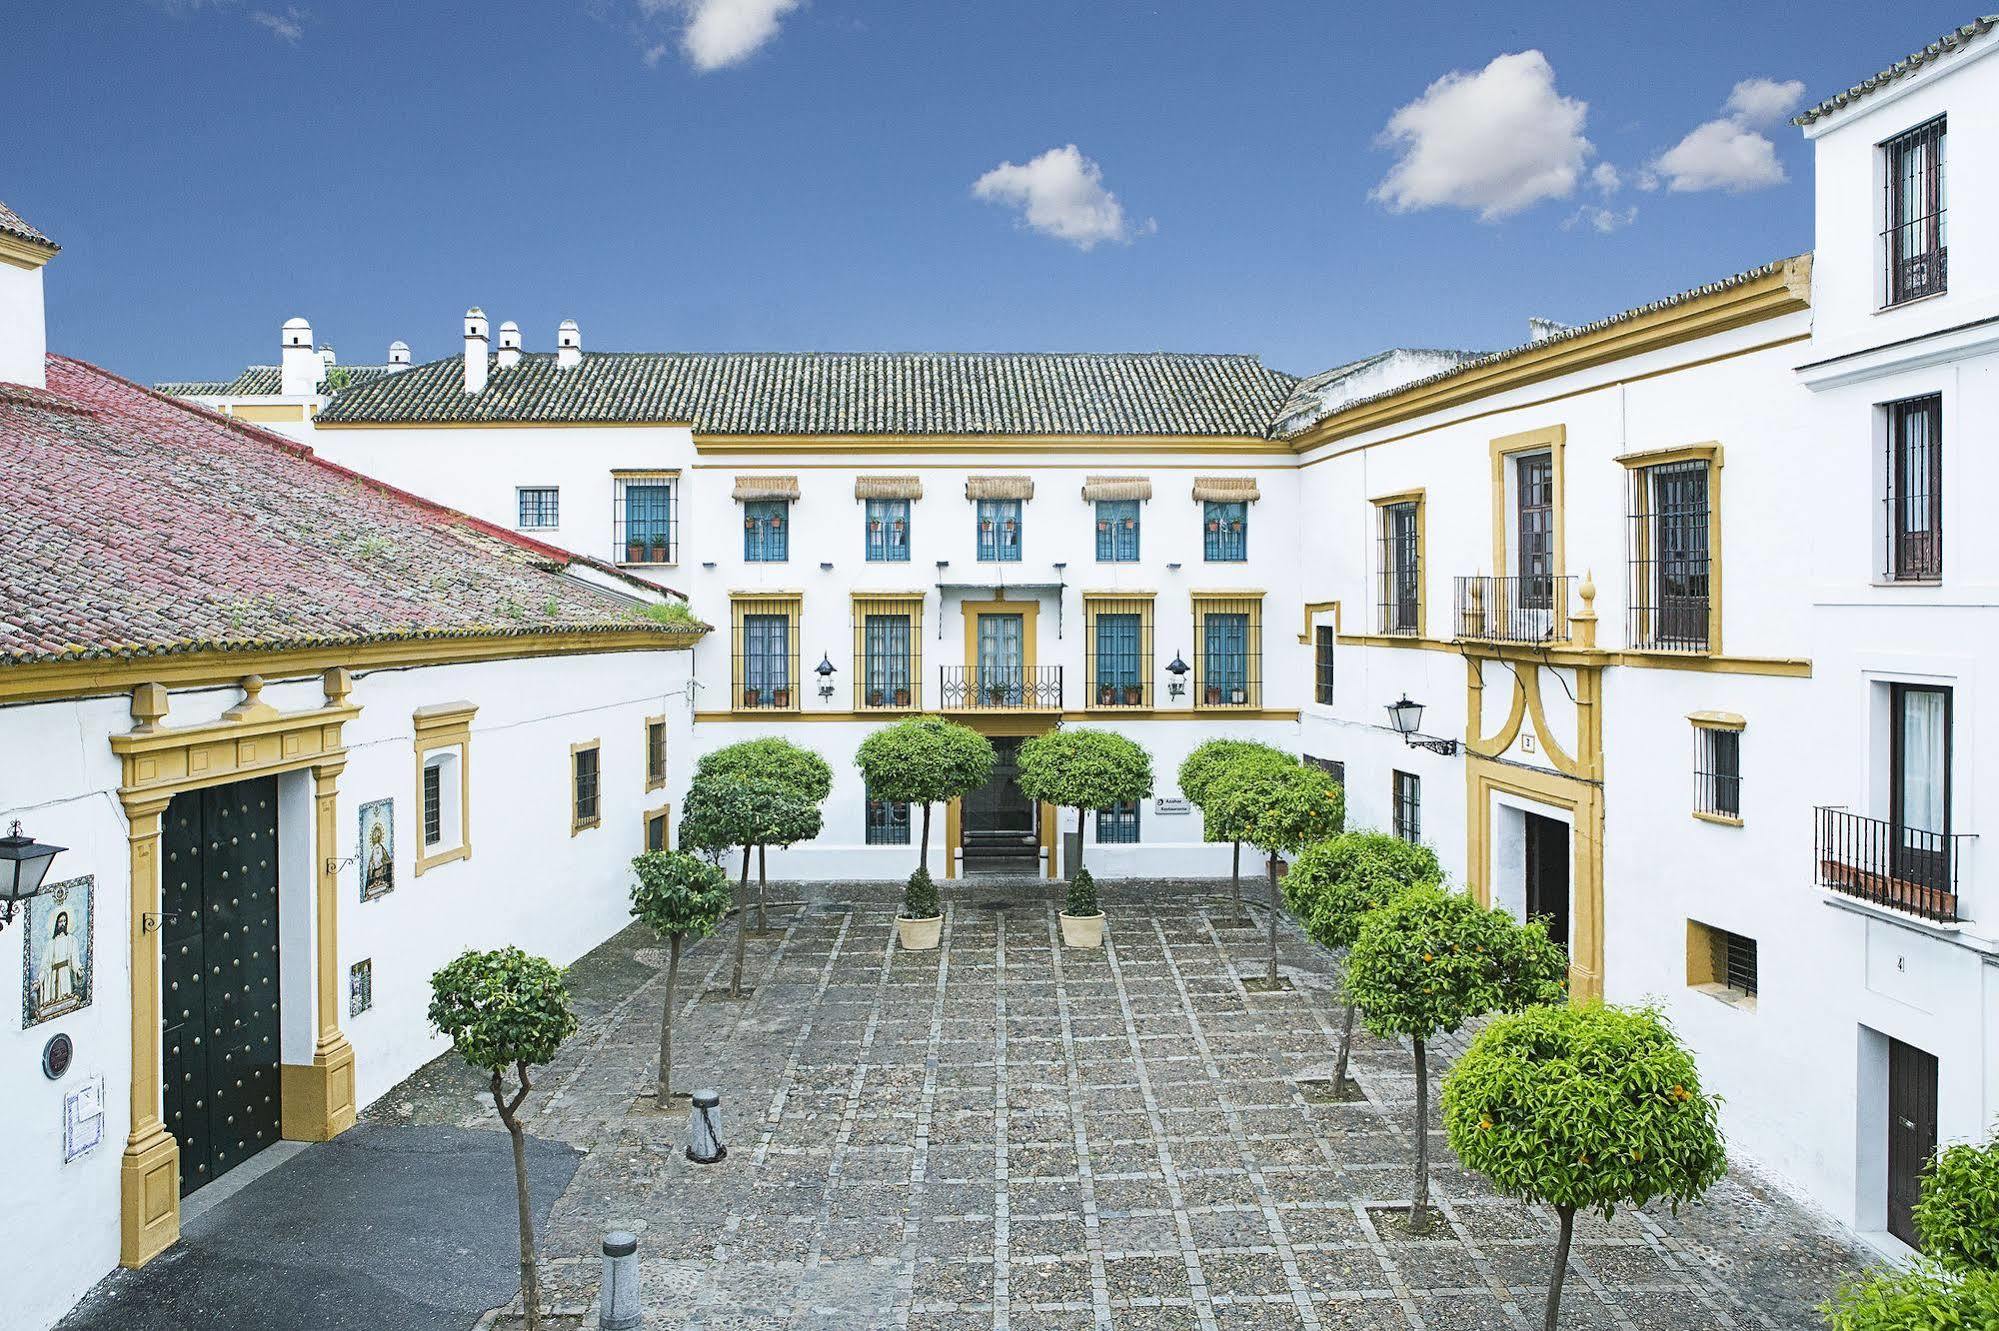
1010	1135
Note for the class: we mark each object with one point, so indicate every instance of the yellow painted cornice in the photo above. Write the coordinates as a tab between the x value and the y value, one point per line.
1787	289
1581	658
874	444
21	253
40	681
1035	717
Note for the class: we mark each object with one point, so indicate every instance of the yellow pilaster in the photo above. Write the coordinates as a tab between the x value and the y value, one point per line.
318	1099
149	1171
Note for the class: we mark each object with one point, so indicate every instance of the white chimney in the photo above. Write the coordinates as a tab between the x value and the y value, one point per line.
24	335
1540	330
510	345
475	350
328	359
399	355
568	344
300	369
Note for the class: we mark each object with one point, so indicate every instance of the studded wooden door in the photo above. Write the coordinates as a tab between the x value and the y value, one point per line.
219	977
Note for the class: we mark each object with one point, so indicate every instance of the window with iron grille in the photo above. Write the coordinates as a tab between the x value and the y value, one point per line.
1118	825
999	531
655	753
1118	648
1914	489
656	830
766	531
1534	529
646	519
766	661
433	803
1117	531
1669	545
1718	771
888	823
1322	665
1228	652
1401	568
540	507
1332	767
1914	242
584	811
1225	531
885	660
1718	960
1408	795
888	531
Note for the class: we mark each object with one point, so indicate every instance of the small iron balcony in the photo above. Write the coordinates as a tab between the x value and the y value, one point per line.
1902	868
1016	689
1531	610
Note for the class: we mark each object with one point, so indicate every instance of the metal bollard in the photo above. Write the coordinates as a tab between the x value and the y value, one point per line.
704	1128
618	1308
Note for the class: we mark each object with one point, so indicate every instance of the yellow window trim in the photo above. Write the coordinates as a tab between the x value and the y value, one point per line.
655	780
1711	454
1030	635
1382	503
790	604
1232	601
445	726
1552	440
664	816
908	605
578	824
1716	720
1118	603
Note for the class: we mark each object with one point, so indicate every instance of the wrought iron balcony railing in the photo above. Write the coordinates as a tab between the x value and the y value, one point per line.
985	689
1903	868
1532	609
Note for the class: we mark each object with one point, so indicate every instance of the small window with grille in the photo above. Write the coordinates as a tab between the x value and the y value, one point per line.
646	518
1408	796
585	796
888	823
1718	770
1332	767
999	531
1224	531
433	802
1721	963
655	752
1669	551
656	821
540	507
1228	651
887	531
1914	242
1117	531
1401	560
1913	491
1118	825
1322	665
766	531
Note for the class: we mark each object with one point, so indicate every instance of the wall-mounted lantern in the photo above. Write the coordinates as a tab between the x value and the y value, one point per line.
1407	718
24	863
1178	669
825	670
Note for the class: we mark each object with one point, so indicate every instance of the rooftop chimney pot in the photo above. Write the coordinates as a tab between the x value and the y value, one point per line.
475	350
399	353
300	368
510	345
568	344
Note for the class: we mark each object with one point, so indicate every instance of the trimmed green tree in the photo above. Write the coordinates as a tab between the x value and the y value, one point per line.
502	1010
1334	884
923	761
1583	1109
679	897
723	812
1922	1297
1200	769
1429	961
1084	770
1957	1207
800	771
1280	811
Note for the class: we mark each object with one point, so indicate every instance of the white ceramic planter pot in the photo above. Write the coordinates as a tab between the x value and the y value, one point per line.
919	935
1082	930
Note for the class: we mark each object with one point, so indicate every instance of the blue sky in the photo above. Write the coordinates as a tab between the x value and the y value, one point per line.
896	174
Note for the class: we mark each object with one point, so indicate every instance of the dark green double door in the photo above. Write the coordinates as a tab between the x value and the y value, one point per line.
219	976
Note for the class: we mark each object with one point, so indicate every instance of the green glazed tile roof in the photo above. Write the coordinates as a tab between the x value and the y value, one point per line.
13	224
1945	45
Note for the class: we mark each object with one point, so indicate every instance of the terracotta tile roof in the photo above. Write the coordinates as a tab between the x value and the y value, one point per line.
1945	45
817	393
138	525
13	224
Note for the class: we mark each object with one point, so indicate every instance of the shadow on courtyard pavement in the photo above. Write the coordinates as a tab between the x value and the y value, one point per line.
404	1227
1008	1134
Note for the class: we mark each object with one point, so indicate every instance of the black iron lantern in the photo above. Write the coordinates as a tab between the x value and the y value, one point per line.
825	670
24	863
1178	669
1407	719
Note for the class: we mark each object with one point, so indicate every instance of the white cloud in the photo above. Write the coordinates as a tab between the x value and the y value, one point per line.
1721	154
286	27
719	33
1060	193
1604	220
1764	101
1606	178
1498	141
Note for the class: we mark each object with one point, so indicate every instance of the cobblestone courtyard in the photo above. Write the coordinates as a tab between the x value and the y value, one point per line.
1005	1133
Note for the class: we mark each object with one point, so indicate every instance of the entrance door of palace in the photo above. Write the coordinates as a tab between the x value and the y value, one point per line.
219	976
999	820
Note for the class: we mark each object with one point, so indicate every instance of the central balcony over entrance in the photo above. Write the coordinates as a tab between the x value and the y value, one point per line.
1529	610
1011	689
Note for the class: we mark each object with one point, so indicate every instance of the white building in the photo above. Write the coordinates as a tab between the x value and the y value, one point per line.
283	398
302	739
